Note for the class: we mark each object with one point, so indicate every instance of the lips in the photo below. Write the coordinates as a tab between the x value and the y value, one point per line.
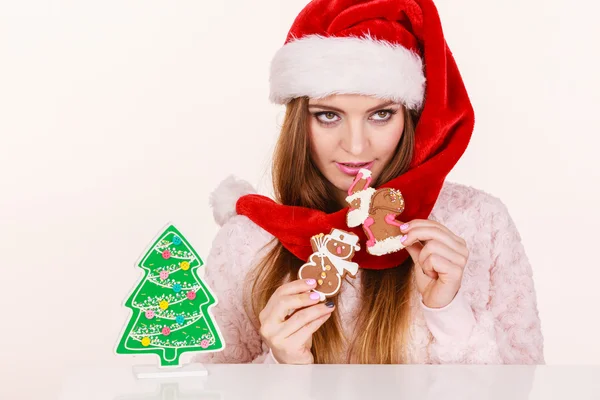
353	167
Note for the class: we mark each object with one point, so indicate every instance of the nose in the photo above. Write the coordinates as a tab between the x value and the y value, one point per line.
354	140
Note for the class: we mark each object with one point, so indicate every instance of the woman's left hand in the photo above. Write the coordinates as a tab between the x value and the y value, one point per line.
439	262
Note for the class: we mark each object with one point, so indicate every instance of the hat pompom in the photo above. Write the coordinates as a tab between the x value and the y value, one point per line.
224	198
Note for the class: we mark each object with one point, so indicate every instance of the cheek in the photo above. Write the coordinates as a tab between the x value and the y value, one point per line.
323	144
388	140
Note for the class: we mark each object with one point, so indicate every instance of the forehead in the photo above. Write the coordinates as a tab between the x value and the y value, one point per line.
350	102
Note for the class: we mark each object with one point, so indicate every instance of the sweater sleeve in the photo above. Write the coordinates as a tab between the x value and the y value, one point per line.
234	250
506	327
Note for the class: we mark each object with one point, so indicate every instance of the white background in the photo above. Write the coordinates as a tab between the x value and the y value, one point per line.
117	117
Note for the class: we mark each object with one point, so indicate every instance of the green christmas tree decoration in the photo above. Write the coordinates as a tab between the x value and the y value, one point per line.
170	305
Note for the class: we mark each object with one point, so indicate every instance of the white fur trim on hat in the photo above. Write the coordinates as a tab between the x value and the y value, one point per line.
224	198
317	66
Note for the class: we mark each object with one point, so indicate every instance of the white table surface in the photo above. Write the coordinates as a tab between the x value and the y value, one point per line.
419	382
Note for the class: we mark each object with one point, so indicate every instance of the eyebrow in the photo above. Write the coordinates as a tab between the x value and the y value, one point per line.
324	106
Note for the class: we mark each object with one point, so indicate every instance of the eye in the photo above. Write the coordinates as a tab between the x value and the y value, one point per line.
385	115
326	117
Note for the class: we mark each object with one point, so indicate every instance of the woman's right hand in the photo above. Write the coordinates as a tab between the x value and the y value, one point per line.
290	339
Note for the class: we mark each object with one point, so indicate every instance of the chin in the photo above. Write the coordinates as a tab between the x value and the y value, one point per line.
342	181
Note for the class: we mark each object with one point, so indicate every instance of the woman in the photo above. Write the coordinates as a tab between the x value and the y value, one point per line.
371	84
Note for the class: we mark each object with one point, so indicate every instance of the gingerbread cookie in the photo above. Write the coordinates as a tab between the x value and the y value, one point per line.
330	261
376	210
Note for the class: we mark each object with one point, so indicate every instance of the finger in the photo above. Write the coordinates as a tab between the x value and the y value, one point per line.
426	223
419	223
287	304
293	287
414	251
427	268
439	248
446	270
305	333
272	318
296	286
420	275
434	233
303	318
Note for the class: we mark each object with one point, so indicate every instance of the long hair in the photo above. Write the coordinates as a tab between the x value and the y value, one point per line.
383	316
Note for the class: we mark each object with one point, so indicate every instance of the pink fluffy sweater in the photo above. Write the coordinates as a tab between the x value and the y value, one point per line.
493	319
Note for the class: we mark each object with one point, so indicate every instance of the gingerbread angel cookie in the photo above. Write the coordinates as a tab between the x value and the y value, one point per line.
376	210
330	261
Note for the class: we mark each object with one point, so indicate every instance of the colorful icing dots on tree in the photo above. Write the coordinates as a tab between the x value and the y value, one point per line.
170	305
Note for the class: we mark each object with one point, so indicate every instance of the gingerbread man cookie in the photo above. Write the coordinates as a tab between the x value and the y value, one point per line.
330	261
376	210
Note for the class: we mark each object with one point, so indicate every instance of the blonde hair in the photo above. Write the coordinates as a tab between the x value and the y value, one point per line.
383	312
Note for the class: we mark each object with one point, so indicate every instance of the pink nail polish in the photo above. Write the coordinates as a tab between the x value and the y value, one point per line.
404	227
310	281
403	238
314	296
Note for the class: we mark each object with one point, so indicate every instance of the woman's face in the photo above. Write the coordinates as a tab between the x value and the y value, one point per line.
349	132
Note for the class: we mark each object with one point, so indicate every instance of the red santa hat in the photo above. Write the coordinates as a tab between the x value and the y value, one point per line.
391	49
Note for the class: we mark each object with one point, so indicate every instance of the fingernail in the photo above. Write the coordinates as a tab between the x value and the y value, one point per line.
329	304
310	281
404	227
314	296
403	238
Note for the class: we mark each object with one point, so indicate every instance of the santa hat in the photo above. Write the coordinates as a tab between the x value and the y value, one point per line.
343	237
387	49
328	52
